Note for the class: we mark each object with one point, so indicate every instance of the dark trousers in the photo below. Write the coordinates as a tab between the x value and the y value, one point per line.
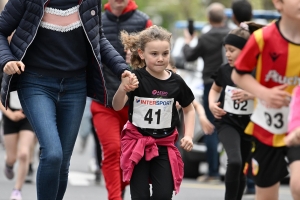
158	171
237	149
211	141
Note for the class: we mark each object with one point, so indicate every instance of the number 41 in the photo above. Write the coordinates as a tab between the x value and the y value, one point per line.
148	117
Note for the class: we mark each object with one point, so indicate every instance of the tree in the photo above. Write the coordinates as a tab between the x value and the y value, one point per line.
268	5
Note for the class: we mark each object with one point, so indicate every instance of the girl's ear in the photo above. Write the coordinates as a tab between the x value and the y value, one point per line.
141	54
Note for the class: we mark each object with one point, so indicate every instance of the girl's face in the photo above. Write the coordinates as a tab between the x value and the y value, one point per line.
232	54
156	56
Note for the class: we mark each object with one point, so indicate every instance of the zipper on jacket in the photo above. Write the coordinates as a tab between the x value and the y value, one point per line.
6	99
99	65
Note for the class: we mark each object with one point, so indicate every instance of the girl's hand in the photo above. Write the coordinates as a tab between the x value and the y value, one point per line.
208	128
216	110
16	115
178	106
239	95
186	143
129	81
13	67
293	138
276	97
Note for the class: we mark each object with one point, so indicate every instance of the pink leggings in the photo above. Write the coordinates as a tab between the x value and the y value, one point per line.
294	118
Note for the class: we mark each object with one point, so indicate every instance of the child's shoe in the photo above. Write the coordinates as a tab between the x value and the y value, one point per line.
16	195
9	172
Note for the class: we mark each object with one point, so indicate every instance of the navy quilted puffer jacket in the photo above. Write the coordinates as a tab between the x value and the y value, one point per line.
24	17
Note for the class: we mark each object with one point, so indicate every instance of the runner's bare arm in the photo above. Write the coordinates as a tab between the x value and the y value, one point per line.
275	97
189	125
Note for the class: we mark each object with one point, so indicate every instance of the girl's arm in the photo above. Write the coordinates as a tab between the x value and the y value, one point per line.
189	125
12	115
249	96
213	97
129	83
274	97
120	97
206	125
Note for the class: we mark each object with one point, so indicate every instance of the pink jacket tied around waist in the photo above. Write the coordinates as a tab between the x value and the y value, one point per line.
134	146
294	116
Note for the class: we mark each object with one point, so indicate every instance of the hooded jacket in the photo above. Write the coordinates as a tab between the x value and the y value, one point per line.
24	17
131	20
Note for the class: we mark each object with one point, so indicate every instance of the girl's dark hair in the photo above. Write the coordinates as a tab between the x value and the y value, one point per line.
253	26
136	41
242	10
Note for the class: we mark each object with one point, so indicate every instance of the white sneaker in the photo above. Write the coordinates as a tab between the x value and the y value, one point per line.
16	195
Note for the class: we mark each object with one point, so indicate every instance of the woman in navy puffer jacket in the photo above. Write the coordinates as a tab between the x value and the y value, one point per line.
54	61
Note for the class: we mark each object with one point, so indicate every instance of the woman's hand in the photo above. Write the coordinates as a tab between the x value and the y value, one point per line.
186	143
216	110
13	67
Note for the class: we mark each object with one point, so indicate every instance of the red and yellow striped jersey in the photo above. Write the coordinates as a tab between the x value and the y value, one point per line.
277	62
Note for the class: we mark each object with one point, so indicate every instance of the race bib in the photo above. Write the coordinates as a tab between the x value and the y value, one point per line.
152	113
14	101
273	120
232	106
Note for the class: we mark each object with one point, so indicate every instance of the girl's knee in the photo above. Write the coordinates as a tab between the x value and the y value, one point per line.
23	156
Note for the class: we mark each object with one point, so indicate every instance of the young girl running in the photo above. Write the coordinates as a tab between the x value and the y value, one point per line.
233	114
18	140
148	138
274	52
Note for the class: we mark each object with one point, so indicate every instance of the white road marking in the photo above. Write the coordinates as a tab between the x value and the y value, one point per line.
80	178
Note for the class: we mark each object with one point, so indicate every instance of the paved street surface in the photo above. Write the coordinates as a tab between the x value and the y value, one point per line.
82	185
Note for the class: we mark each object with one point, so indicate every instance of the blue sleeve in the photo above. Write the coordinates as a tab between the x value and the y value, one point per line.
10	18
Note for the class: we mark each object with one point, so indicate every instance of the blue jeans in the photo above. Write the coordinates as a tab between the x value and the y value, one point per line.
54	107
211	141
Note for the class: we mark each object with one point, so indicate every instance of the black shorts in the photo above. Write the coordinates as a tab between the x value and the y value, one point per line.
10	126
269	164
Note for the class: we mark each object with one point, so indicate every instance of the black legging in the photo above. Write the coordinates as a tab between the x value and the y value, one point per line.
237	149
158	170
